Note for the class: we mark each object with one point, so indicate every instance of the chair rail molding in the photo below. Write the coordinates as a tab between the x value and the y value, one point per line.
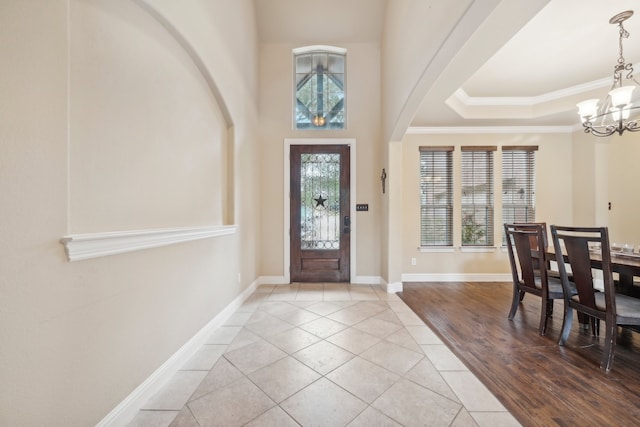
94	245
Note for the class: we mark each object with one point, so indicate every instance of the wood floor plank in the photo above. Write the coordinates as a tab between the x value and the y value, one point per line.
541	383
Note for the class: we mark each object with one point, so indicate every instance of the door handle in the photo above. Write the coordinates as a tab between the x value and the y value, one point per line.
346	222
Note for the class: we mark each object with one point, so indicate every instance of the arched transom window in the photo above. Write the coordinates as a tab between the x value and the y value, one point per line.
320	88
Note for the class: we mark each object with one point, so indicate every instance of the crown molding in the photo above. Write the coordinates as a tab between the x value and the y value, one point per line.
529	101
466	130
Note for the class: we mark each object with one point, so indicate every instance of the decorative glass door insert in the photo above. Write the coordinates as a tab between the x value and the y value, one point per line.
320	221
320	201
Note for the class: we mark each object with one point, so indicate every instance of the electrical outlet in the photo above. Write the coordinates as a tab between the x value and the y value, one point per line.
413	261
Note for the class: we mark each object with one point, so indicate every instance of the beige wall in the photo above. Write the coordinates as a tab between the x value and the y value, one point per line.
620	157
585	165
616	182
113	119
363	124
148	140
554	182
605	171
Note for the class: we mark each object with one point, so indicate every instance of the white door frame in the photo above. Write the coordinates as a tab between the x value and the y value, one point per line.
288	142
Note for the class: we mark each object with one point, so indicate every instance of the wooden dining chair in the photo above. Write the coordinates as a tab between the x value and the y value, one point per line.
526	244
571	246
545	243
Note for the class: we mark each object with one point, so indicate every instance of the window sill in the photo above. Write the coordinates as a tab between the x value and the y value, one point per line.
433	249
478	249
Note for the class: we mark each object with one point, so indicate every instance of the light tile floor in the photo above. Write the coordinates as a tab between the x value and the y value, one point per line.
323	355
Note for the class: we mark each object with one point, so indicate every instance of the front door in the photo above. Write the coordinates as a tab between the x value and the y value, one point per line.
320	217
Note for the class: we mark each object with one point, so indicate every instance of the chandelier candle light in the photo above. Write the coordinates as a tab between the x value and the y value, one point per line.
613	114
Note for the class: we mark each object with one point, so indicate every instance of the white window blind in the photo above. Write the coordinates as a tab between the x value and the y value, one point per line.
518	184
436	196
477	196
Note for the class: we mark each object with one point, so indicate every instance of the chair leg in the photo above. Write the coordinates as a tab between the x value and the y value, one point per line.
515	301
544	314
595	326
566	324
611	330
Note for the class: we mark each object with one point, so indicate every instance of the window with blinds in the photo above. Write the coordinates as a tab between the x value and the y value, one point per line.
518	184
477	196
436	196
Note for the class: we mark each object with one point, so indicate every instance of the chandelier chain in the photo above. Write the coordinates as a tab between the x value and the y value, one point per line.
622	62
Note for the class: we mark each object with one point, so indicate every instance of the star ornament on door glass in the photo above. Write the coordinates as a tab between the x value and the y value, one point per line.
320	201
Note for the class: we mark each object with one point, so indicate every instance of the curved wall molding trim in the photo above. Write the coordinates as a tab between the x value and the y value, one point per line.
94	245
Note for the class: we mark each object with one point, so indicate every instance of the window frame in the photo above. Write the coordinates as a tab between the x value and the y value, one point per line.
477	170
428	237
526	165
319	120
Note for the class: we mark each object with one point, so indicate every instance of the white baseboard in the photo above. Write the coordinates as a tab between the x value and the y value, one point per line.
457	277
272	280
129	407
368	280
360	280
394	287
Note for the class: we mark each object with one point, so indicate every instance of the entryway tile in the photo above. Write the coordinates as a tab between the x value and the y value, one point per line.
371	417
323	308
390	356
274	417
413	405
205	358
223	335
221	375
234	405
426	375
254	356
443	358
323	357
283	378
471	392
494	419
323	404
293	340
323	327
363	379
298	317
353	340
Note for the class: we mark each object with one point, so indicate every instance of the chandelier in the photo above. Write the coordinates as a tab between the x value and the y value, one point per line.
612	115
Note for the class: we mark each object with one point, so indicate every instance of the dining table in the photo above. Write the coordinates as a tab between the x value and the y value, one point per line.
625	264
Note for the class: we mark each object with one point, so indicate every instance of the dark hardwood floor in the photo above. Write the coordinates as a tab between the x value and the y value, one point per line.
541	383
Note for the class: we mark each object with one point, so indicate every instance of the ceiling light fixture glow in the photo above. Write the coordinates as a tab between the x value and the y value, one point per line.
612	115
